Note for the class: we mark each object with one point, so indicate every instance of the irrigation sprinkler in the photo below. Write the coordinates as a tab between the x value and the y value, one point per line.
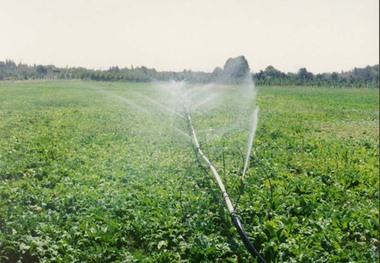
234	216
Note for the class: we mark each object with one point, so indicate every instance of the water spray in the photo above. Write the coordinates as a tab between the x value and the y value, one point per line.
184	99
250	141
234	216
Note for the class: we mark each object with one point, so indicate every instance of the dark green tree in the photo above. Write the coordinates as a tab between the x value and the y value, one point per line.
236	68
41	70
304	75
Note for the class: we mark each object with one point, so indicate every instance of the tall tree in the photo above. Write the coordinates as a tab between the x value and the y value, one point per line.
236	67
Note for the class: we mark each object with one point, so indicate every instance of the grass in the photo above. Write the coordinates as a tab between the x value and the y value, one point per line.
98	172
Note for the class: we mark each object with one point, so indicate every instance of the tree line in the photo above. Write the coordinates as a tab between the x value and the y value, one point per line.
232	72
358	77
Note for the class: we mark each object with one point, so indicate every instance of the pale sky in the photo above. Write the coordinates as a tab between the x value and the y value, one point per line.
321	35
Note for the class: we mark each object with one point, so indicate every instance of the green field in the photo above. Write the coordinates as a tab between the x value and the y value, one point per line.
102	172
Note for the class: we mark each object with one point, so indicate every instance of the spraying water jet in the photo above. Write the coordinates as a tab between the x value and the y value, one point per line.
250	141
230	207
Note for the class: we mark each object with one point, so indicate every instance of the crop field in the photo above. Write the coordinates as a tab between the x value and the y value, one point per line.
107	172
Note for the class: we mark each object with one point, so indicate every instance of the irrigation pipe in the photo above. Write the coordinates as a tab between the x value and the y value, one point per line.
230	207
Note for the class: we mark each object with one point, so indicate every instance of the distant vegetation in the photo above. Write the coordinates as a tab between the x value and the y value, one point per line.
358	77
